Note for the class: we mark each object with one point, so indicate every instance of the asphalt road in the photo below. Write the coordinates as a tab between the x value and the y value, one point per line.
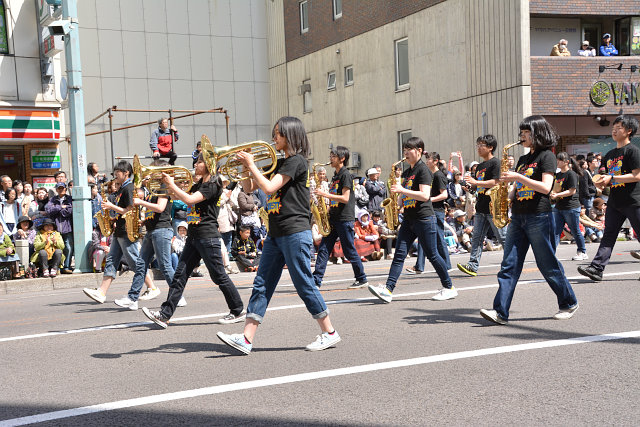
65	360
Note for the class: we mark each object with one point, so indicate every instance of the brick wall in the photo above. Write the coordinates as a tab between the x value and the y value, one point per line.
584	7
358	16
560	86
566	141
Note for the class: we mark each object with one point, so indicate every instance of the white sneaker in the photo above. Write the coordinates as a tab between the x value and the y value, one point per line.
492	316
566	314
95	295
324	341
182	302
149	294
339	261
580	256
126	303
445	294
381	292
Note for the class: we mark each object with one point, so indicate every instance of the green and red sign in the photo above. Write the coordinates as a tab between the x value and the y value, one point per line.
28	125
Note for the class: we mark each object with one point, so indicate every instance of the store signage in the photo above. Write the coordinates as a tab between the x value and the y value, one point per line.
29	125
52	46
47	182
45	158
623	93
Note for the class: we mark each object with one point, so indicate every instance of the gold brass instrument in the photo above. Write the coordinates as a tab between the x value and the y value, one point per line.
499	194
105	222
319	207
390	204
132	222
153	177
232	167
264	216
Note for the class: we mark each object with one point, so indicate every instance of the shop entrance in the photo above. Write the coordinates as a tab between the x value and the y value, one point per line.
12	162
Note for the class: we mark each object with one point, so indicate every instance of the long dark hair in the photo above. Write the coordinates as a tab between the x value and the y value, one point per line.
292	129
543	134
564	157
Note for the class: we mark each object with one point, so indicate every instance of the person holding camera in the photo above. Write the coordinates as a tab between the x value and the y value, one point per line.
586	50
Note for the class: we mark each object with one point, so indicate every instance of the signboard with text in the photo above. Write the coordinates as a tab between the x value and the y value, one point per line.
47	182
45	158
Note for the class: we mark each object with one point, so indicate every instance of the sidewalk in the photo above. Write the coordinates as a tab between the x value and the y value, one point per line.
62	281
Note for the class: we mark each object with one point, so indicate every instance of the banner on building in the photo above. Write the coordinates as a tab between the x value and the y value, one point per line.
47	182
28	126
45	158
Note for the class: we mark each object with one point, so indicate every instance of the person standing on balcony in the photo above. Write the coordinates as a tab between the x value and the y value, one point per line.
560	49
607	48
586	50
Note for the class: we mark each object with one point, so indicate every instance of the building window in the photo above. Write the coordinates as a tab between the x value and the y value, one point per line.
337	9
331	80
4	40
306	96
402	64
403	136
304	17
348	75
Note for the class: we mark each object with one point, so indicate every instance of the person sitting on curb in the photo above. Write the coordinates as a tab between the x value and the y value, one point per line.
244	250
8	253
48	247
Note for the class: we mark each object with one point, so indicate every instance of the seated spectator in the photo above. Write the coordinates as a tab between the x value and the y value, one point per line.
361	195
586	50
25	231
8	254
244	250
10	211
196	153
593	230
177	242
48	248
247	210
463	230
99	249
560	49
385	234
367	241
607	48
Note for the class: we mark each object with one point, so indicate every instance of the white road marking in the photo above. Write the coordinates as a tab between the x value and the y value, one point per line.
283	307
309	376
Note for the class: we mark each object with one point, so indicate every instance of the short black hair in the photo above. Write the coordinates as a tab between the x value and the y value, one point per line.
628	122
123	166
376	213
488	140
57	174
9	190
341	152
413	142
244	228
543	134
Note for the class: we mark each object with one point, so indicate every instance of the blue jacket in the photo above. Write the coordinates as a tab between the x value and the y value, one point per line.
608	50
63	217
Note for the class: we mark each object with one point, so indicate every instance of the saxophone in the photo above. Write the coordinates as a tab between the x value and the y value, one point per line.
390	204
102	216
319	207
264	216
132	217
499	194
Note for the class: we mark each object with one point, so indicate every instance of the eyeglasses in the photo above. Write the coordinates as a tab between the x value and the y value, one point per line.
481	144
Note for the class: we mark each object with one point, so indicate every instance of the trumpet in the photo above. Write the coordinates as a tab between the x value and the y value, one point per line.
153	177
261	151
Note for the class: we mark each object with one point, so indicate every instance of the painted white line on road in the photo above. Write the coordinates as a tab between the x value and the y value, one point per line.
309	376
283	307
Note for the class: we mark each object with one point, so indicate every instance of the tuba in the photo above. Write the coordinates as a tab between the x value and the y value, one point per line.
390	204
153	177
103	216
319	207
499	194
232	167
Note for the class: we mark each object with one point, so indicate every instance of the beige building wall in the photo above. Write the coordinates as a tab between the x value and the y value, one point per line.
466	57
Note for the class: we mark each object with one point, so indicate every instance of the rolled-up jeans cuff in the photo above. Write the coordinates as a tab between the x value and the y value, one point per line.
255	317
321	315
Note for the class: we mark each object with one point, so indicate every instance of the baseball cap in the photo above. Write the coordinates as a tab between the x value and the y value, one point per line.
372	171
61	184
458	213
606	35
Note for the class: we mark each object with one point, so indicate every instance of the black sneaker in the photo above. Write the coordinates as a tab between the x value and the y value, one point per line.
591	272
196	273
358	284
156	317
466	268
635	254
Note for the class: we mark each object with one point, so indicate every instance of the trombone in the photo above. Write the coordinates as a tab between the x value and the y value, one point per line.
232	167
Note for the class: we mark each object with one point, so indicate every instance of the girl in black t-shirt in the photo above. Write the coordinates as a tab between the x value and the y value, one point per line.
567	208
532	223
289	241
203	243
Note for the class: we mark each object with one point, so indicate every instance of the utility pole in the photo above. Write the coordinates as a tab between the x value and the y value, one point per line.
82	218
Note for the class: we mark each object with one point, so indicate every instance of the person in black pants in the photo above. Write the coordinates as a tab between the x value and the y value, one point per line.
622	165
203	242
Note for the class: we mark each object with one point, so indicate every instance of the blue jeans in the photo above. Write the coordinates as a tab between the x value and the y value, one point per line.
68	249
345	231
572	218
120	246
293	250
208	250
426	232
156	242
537	231
174	260
588	204
613	220
227	238
443	250
481	224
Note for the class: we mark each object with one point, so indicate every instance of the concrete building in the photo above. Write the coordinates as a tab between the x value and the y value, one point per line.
445	70
139	54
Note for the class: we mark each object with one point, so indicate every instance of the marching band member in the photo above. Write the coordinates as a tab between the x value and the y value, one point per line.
203	242
532	223
419	221
289	241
